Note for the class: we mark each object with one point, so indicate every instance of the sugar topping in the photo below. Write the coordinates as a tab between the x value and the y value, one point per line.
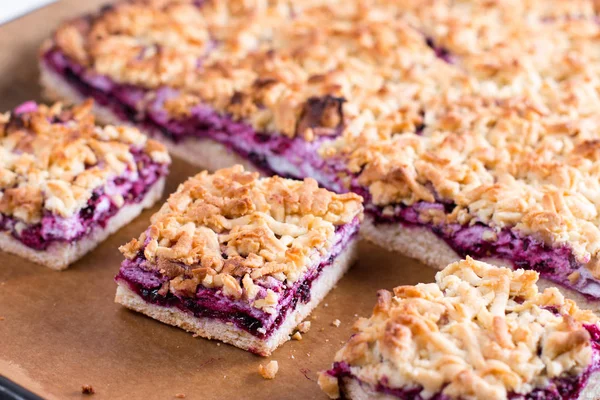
232	230
478	332
53	158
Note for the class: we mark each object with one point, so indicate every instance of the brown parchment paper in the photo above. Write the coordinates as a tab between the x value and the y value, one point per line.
61	330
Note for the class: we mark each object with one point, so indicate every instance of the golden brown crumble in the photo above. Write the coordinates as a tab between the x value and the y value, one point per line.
502	163
296	68
270	370
53	158
478	332
229	229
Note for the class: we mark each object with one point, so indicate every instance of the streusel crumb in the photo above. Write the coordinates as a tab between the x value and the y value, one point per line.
87	389
269	371
304	327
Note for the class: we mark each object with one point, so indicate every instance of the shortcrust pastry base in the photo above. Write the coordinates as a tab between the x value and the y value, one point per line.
215	329
60	255
423	245
204	153
353	390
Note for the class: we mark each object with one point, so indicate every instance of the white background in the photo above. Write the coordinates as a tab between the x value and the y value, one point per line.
10	9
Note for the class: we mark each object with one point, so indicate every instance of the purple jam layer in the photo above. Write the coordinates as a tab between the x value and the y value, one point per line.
562	388
212	303
99	210
527	252
273	154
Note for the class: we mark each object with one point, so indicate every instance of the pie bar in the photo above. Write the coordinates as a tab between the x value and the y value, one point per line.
479	332
66	184
469	127
506	173
240	259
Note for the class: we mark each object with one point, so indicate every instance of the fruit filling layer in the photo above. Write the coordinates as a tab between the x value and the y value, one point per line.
104	203
145	280
272	154
481	241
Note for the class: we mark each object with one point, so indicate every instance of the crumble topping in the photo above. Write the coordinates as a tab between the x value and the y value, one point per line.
503	163
478	332
230	229
52	158
298	69
515	45
270	370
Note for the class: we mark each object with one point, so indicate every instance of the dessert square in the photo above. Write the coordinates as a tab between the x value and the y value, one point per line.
478	332
240	259
67	184
523	194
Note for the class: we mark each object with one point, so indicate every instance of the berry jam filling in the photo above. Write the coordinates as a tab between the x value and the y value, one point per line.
562	388
212	303
99	209
273	154
483	242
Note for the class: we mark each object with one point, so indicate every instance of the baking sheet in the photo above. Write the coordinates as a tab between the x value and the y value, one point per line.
62	330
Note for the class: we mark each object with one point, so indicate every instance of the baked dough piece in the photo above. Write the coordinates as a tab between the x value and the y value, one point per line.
241	259
66	184
478	332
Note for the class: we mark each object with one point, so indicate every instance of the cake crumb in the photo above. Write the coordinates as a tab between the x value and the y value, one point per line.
218	344
297	336
293	357
336	323
270	370
180	395
87	389
326	304
304	327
